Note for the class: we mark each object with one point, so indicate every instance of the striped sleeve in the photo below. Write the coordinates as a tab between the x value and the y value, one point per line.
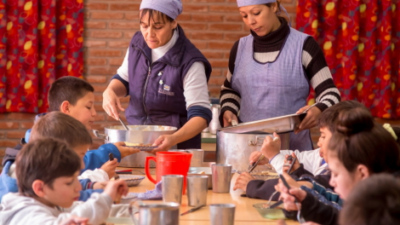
319	75
229	98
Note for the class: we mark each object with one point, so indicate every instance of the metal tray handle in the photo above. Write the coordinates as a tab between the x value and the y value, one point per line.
102	136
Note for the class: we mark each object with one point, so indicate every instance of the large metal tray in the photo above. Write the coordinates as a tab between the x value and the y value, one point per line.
280	124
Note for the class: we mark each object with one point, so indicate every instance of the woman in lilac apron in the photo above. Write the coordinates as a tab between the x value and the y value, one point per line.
271	70
165	76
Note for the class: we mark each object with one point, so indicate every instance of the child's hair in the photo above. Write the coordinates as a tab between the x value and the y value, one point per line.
69	89
63	127
359	140
373	201
45	160
329	117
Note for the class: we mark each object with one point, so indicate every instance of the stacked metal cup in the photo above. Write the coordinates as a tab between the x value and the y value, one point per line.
197	187
221	177
172	188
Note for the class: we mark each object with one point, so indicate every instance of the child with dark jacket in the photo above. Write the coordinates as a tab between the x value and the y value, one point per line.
315	173
359	148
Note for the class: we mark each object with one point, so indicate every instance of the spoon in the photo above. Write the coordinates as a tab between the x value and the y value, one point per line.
123	124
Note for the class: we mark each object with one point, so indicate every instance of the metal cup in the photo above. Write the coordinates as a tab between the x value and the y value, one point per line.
197	187
154	214
222	214
221	177
172	188
197	156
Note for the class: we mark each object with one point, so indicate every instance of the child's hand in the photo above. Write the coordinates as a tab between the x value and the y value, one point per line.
74	220
242	181
287	163
100	185
292	183
109	167
271	146
116	188
125	151
255	156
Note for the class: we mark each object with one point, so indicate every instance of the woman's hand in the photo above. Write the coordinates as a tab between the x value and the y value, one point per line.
242	181
124	150
111	103
271	146
228	118
254	156
164	143
287	163
311	118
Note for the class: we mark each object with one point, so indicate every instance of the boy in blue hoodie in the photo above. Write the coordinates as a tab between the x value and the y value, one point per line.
64	128
74	96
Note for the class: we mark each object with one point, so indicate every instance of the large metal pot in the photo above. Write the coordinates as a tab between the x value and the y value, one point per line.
235	149
141	134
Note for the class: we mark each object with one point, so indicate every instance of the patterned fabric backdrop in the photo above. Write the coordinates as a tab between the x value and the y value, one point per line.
361	42
41	40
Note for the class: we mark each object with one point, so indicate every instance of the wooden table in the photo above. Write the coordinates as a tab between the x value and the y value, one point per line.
245	213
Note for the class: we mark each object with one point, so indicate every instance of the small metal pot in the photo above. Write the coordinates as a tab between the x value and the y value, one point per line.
141	134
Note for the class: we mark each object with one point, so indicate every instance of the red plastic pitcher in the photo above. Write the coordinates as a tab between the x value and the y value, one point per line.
168	163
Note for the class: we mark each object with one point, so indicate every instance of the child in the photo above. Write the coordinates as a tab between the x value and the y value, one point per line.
375	200
313	160
358	148
74	96
65	128
47	172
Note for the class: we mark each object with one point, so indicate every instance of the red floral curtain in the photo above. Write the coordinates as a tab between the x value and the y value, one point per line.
361	42
41	40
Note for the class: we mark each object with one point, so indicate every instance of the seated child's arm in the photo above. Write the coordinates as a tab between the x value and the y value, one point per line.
97	175
96	158
85	194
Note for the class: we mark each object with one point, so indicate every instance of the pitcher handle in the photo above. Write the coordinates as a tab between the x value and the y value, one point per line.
147	168
133	209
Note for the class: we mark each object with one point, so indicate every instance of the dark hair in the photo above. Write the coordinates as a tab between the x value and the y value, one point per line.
63	127
163	17
278	4
45	160
375	200
69	89
358	139
328	118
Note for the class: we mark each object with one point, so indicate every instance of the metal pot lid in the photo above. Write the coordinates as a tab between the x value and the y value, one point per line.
279	124
143	128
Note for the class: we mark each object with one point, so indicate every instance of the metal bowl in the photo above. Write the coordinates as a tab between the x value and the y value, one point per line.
131	180
264	210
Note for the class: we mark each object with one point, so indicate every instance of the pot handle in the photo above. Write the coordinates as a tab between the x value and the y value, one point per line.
258	141
102	136
147	168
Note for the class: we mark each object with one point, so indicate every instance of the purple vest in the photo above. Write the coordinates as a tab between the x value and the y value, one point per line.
156	89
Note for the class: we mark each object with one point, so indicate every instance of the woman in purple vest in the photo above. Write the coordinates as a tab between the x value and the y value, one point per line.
270	72
165	76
